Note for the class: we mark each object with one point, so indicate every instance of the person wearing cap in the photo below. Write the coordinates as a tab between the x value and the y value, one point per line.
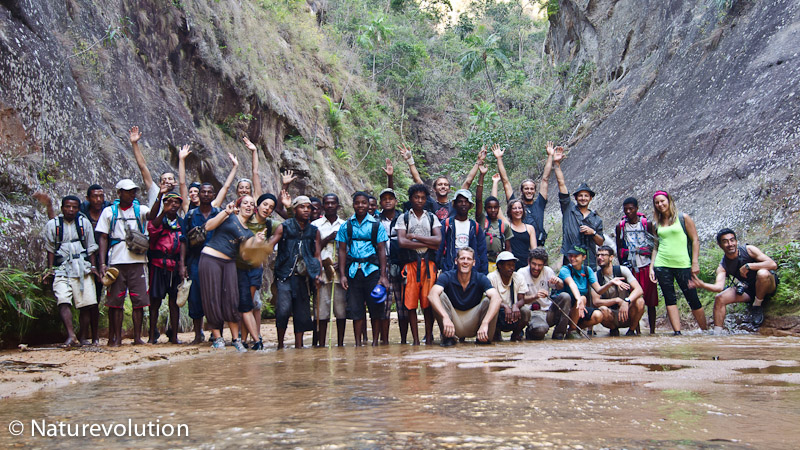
466	301
675	258
418	239
441	205
362	242
622	296
330	291
579	224
546	310
166	268
388	217
250	276
460	231
297	270
193	191
512	289
533	204
71	254
580	282
124	214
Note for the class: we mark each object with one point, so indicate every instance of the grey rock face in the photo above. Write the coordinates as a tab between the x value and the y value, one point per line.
706	107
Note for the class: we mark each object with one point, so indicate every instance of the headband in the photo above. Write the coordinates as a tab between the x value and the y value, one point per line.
660	193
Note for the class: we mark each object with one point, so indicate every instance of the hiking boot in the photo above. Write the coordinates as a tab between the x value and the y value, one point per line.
218	343
676	333
245	344
237	344
559	336
573	335
630	333
757	315
258	345
614	332
448	341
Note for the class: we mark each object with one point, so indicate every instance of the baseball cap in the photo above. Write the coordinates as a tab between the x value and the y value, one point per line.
464	193
506	256
300	200
127	184
577	250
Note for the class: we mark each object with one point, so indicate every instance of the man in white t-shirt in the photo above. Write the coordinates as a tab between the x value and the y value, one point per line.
513	290
124	214
330	290
544	314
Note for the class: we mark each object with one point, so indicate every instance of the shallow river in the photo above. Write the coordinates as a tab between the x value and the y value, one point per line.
659	392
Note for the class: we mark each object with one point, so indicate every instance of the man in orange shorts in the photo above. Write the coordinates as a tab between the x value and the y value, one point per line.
418	236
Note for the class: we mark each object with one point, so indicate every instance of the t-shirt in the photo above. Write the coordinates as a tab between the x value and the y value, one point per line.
325	228
72	266
228	236
538	284
195	218
418	225
462	233
126	218
494	242
464	299
636	237
390	231
520	287
614	291
579	277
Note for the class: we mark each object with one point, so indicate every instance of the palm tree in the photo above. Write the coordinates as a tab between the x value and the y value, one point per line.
482	53
373	35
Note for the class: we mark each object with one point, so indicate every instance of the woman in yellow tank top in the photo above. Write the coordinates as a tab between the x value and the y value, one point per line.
675	259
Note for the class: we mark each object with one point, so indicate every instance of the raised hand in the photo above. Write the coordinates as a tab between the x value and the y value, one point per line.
184	152
483	168
42	198
230	208
498	151
482	155
550	148
405	152
389	169
165	187
287	177
286	199
496	178
134	135
233	160
249	144
558	154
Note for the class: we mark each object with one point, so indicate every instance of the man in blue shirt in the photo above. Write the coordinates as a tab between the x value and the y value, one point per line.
580	282
466	301
362	247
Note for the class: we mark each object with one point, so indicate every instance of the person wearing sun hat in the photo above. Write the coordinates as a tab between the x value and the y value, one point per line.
579	224
512	289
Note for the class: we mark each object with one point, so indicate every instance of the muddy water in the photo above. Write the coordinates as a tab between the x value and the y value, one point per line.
662	392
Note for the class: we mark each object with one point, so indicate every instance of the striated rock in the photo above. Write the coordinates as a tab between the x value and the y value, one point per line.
709	109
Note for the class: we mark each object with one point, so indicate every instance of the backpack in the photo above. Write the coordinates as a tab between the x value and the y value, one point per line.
135	239
624	252
491	236
407	255
688	238
60	238
372	259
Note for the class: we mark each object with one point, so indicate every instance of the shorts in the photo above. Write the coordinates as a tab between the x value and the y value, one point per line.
615	318
245	297
650	289
164	282
132	279
751	290
68	290
588	314
358	295
292	299
323	297
418	284
254	276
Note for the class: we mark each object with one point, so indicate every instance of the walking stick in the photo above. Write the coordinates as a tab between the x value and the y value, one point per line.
583	333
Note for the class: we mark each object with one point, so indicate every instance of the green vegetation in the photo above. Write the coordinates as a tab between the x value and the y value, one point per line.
21	301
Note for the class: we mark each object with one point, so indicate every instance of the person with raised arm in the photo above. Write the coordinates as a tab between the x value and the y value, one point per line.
441	205
487	214
192	193
534	208
167	178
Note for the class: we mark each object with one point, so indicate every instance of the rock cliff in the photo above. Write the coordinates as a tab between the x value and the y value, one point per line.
76	74
698	97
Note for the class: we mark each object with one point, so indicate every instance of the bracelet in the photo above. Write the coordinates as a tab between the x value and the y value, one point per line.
410	161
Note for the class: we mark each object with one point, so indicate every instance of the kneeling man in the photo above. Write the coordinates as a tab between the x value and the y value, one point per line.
546	310
754	271
466	301
512	289
622	295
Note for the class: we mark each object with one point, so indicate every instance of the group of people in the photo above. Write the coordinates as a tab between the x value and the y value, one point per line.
474	276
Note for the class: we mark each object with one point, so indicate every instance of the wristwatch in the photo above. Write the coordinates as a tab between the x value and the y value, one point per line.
627	299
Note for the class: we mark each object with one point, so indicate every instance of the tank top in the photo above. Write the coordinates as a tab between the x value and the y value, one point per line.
672	243
521	247
732	266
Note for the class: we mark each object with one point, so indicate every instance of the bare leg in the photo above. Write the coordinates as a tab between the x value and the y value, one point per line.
94	312
281	334
341	327
174	318
358	329
323	331
65	312
364	330
385	331
114	327
403	324
298	340
84	317
249	325
765	285
376	328
427	313
155	304
651	318
198	331
234	327
700	316
138	318
674	317
412	321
